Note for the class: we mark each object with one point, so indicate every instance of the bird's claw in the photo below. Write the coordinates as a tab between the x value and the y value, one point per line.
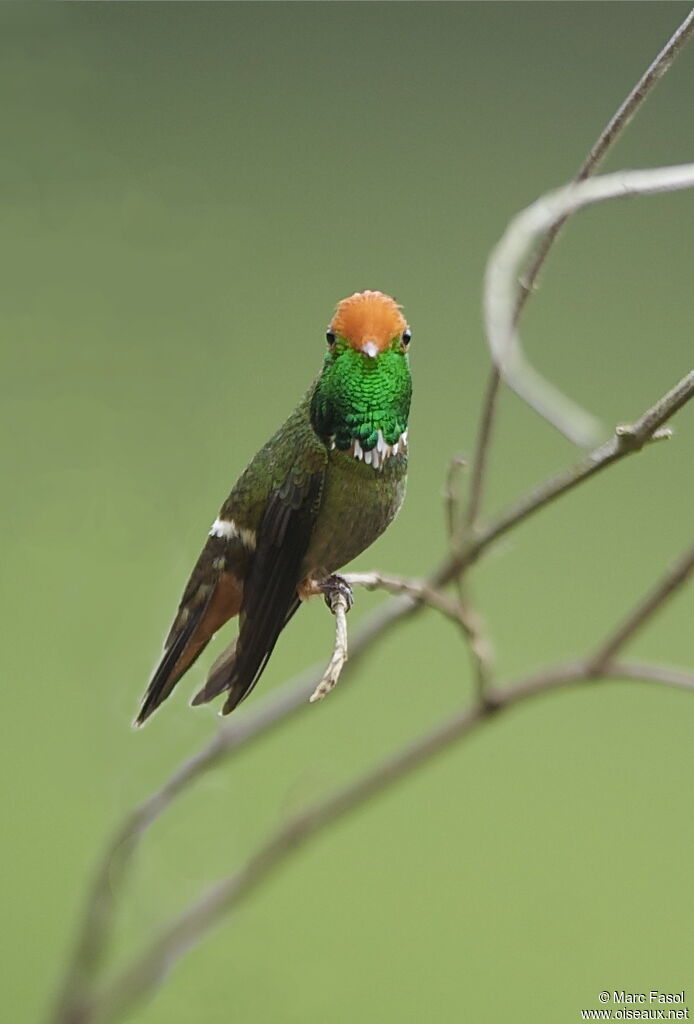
335	587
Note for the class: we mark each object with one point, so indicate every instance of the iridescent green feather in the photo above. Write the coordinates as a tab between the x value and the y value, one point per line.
356	397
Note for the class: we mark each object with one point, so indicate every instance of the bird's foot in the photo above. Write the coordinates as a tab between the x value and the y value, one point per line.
333	588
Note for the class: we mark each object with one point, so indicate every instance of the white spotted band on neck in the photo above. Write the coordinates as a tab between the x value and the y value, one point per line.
380	452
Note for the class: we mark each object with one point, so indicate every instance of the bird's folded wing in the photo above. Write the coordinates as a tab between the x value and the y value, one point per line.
270	590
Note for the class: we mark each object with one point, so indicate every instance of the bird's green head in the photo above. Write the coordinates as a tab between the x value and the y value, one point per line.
362	398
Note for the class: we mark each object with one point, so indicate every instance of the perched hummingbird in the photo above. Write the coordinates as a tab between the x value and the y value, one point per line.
321	490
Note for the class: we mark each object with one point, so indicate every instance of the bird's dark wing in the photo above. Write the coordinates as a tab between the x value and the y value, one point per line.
220	670
270	589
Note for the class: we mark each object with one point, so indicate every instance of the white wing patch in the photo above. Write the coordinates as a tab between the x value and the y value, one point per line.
228	529
378	455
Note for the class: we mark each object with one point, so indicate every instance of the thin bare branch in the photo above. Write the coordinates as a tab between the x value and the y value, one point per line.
626	441
473	623
608	136
648	426
451	499
675	577
417	589
676	678
479	640
482	446
186	931
461	612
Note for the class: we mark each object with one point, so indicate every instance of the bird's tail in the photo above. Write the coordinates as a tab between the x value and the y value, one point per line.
205	607
182	648
240	666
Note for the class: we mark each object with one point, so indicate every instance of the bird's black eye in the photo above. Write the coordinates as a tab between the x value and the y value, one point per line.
406	336
330	335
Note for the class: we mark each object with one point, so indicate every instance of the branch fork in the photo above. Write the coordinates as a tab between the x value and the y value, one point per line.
630	439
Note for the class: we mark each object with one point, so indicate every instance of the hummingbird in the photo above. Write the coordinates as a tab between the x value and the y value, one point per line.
321	490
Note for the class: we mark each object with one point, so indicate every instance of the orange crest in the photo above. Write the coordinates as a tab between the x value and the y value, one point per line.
368	317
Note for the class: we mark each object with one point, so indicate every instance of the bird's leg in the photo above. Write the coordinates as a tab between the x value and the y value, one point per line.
333	588
339	599
330	587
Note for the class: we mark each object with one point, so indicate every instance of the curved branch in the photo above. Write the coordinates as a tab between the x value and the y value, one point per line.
502	271
608	136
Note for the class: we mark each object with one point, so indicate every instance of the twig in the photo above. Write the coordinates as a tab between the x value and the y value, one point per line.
608	136
473	623
461	612
417	589
674	578
482	446
339	608
451	498
626	441
479	640
674	677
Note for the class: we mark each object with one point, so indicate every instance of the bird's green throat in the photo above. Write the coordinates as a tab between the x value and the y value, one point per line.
357	396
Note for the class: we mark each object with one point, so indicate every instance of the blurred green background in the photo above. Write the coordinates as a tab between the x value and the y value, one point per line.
186	191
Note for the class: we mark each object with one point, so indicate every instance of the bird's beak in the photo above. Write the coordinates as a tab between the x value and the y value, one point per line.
370	348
